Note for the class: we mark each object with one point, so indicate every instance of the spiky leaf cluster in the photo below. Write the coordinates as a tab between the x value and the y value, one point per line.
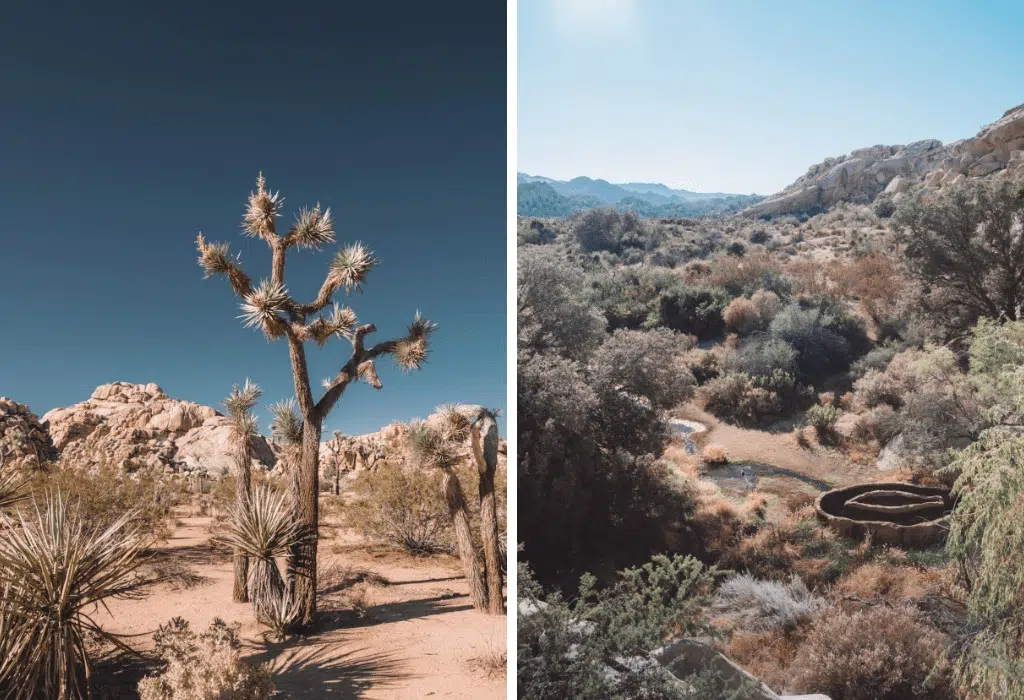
262	211
313	228
439	443
350	267
54	570
262	306
411	351
287	424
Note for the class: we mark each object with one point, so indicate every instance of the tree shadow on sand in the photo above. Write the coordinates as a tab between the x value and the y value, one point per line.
391	612
319	669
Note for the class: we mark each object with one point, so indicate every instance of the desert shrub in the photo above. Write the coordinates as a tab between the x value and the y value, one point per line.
401	507
965	247
203	667
763	356
644	363
102	495
564	646
877	358
54	570
881	424
822	417
890	581
884	207
736	248
764	606
759	236
741	316
875	654
693	310
715	454
742	276
820	350
767	304
556	314
607	229
703	365
736	397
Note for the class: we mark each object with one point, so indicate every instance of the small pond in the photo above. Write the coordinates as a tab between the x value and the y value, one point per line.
743	476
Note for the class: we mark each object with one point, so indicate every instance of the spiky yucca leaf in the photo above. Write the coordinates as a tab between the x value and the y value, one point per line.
242	400
342	320
54	570
411	351
12	486
213	257
263	528
433	447
287	424
261	308
262	211
350	267
313	228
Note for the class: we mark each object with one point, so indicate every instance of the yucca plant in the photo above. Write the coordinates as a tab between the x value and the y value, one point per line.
54	570
239	405
268	306
262	528
12	486
440	444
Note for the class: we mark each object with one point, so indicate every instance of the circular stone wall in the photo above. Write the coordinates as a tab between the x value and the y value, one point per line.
894	513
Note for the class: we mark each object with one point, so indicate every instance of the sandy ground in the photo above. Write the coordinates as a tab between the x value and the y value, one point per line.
419	636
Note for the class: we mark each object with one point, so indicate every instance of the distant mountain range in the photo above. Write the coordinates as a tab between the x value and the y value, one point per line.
543	196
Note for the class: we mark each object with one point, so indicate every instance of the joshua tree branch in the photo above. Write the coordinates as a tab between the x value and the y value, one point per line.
214	259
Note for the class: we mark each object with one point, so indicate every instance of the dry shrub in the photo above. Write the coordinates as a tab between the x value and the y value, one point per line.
766	655
764	606
891	582
102	495
767	304
874	279
203	667
715	454
879	653
737	273
720	522
401	507
741	316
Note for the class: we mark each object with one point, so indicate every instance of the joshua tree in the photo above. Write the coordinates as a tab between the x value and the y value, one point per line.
335	447
484	431
440	444
239	405
268	306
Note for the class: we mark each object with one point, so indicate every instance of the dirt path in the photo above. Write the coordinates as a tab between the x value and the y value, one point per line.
419	637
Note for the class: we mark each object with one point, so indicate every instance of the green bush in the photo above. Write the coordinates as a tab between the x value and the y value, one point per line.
822	418
402	507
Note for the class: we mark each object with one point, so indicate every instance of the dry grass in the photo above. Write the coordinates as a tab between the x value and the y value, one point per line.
715	454
891	582
492	663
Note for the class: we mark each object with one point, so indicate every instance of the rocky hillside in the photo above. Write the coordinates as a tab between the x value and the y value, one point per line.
136	425
863	175
24	442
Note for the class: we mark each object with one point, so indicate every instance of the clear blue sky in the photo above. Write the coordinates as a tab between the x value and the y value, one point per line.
743	96
129	127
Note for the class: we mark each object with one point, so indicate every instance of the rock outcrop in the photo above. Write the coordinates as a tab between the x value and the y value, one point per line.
134	426
24	442
863	175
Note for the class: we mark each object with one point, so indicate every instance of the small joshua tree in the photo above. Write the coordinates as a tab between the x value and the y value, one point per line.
336	447
439	444
484	431
268	306
239	405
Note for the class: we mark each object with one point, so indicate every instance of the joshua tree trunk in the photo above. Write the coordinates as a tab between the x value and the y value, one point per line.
485	454
243	490
304	554
464	536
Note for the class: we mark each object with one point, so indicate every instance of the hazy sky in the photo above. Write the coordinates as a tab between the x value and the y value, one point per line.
743	96
128	127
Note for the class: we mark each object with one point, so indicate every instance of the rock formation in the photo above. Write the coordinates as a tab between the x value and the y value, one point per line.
135	426
24	442
863	175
